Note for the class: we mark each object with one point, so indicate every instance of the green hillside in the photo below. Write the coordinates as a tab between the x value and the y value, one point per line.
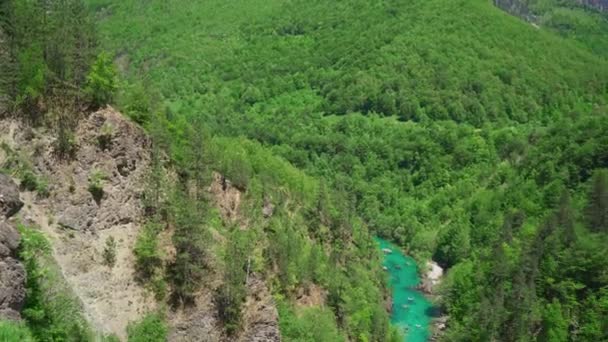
460	60
456	130
451	128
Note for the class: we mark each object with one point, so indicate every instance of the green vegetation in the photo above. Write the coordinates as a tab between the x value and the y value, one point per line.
230	296
191	241
151	328
17	164
147	255
311	325
96	179
109	252
459	132
101	81
11	331
51	311
51	47
449	127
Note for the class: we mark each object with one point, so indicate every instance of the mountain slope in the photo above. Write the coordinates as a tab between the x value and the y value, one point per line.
454	128
465	61
284	135
77	225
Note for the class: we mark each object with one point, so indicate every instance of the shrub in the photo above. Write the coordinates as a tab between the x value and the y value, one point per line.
29	181
147	256
311	324
137	103
65	144
105	137
96	185
158	285
11	331
110	338
32	77
151	328
109	252
102	81
51	311
42	188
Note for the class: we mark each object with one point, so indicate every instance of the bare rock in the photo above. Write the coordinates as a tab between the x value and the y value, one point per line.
10	203
115	152
260	314
201	326
268	208
226	197
9	240
12	274
77	217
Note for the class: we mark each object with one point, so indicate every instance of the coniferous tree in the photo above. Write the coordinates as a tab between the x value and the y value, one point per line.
565	218
597	205
231	295
191	239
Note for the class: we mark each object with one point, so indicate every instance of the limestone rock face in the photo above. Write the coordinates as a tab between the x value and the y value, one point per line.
9	240
12	272
111	154
261	317
201	325
12	288
600	5
9	197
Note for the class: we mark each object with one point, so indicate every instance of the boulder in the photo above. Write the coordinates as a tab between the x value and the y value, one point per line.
268	208
10	203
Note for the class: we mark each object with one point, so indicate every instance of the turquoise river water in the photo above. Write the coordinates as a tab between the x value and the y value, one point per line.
411	309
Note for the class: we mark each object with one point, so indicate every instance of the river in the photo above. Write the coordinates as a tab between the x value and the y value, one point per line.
410	307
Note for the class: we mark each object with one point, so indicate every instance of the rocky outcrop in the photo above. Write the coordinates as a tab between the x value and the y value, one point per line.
600	5
114	152
431	278
517	8
9	197
226	196
261	319
12	272
12	288
523	9
199	325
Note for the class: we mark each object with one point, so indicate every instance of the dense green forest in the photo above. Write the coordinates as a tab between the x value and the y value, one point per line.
457	131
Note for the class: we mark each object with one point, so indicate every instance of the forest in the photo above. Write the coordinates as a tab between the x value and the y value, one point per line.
461	133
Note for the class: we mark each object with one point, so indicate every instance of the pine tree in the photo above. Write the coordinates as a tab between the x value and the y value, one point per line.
597	206
565	218
233	292
191	239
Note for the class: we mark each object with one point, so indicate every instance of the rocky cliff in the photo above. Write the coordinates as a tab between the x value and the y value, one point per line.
12	273
112	153
524	9
600	5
